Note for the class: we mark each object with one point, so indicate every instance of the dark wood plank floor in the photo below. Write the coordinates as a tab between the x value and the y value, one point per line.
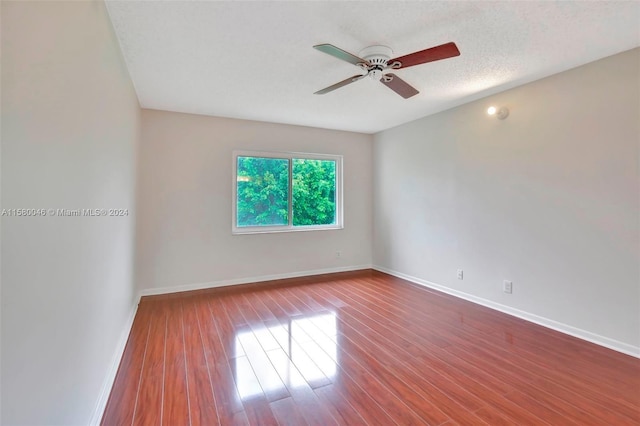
359	348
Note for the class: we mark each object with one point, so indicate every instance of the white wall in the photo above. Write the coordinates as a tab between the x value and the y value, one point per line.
548	198
70	124
184	224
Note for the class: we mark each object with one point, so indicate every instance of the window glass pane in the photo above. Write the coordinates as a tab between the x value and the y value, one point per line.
314	192
263	191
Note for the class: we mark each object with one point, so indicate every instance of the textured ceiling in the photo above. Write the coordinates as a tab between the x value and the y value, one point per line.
254	60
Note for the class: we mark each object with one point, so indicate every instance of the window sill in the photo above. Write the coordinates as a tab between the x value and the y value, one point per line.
278	230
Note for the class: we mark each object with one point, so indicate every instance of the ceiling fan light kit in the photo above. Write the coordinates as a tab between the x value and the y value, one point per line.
375	62
377	57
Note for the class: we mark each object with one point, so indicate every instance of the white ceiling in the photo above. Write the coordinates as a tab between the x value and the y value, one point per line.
254	60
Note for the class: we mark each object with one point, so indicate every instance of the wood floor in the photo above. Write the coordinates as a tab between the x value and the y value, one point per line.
359	348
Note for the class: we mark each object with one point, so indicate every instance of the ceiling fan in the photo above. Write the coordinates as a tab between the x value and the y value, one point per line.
374	62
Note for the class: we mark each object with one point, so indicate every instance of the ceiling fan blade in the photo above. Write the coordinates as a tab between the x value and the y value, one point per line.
330	49
398	85
340	84
444	51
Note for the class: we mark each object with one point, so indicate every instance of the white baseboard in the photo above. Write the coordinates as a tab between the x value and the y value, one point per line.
248	280
113	368
625	348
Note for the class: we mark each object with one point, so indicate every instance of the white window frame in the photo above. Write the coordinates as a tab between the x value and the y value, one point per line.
236	230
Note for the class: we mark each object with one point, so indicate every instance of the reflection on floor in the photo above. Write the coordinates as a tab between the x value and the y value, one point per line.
360	348
310	355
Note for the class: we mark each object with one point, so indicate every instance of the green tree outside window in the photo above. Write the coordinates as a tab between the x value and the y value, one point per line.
263	186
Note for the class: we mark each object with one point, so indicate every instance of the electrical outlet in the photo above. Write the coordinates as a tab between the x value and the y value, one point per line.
507	287
460	274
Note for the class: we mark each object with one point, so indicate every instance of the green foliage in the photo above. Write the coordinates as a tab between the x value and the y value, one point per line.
263	191
314	192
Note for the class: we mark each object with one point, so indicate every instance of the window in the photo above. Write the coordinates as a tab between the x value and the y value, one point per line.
278	192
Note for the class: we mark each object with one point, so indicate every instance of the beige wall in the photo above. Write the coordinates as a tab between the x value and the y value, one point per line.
184	223
548	198
70	123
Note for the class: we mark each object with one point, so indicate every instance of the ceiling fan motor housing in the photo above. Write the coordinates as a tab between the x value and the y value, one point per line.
377	56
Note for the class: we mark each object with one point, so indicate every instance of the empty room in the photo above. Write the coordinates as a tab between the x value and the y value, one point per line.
319	213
